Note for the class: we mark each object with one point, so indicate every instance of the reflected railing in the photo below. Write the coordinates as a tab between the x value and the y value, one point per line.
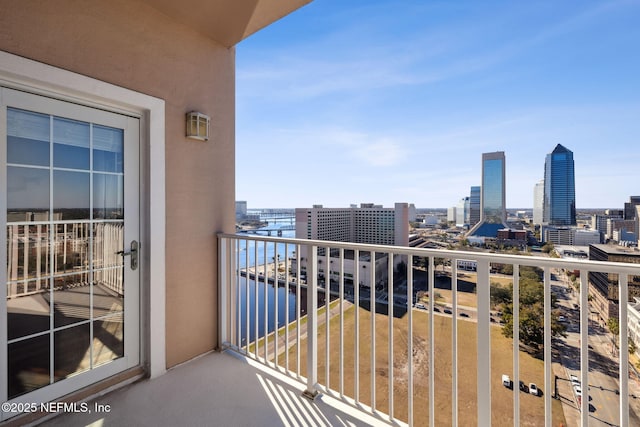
426	337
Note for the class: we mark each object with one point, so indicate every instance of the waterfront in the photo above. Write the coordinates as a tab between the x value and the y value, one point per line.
259	295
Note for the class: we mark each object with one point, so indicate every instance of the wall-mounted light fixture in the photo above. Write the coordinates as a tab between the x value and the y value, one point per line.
198	126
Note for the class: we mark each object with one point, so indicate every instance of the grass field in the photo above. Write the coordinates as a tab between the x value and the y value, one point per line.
531	370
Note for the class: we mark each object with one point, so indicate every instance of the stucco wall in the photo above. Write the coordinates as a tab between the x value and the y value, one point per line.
132	45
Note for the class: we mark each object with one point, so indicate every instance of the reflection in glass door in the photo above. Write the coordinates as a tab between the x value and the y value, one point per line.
68	285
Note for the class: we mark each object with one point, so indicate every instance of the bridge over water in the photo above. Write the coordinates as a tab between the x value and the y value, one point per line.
268	231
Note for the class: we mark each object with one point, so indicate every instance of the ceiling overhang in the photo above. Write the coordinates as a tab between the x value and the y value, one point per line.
227	21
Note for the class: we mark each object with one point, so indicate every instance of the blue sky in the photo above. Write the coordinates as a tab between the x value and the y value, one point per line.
349	101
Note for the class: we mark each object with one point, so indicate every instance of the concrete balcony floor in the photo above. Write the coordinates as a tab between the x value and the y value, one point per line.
218	389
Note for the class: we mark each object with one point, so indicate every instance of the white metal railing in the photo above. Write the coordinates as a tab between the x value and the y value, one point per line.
253	321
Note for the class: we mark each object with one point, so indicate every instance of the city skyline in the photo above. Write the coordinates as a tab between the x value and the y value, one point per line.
375	102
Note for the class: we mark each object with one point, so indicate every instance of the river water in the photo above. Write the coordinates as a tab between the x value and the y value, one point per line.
263	296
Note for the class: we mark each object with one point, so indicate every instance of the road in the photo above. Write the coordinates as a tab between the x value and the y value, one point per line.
603	365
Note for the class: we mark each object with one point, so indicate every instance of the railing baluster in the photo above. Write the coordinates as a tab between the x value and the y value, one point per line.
454	341
265	327
548	382
483	290
390	287
356	299
276	297
584	344
432	344
623	370
286	306
410	339
516	343
246	296
298	308
238	326
312	322
372	275
327	315
256	285
341	292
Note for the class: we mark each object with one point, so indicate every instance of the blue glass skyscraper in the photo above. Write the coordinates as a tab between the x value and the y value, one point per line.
559	188
493	211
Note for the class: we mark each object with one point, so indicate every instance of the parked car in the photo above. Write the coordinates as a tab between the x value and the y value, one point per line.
448	311
463	314
436	309
533	389
562	319
421	306
577	390
574	380
506	381
523	387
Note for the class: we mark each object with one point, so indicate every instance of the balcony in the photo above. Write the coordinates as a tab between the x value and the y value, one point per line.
289	360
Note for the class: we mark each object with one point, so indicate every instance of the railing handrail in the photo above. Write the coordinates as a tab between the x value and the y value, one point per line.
533	261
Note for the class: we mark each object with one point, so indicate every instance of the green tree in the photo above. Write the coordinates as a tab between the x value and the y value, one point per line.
500	295
531	311
632	346
614	327
548	247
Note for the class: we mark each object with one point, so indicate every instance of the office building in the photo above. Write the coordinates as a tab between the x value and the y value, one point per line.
603	287
569	236
451	214
493	211
630	207
241	209
538	202
617	227
559	188
474	205
462	212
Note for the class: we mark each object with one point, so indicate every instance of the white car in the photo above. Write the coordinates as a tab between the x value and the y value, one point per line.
574	380
533	389
577	390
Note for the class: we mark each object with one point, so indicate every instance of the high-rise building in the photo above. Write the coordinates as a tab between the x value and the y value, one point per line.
462	212
241	209
369	223
630	207
451	214
538	202
603	287
559	188
493	211
474	205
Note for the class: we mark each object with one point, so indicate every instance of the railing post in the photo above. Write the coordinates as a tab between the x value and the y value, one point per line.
484	344
312	323
222	295
623	369
226	270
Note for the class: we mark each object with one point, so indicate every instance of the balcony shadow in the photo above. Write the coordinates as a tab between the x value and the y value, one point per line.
223	389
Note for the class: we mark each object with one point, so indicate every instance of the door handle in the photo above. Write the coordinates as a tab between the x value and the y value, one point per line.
133	252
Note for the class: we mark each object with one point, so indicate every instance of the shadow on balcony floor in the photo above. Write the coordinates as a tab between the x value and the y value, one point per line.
218	389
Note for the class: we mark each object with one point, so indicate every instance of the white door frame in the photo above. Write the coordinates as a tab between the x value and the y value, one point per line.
24	74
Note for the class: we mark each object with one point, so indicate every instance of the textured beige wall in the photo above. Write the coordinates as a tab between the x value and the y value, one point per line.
129	44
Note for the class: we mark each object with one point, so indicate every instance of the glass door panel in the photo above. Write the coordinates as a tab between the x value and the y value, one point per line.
66	228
